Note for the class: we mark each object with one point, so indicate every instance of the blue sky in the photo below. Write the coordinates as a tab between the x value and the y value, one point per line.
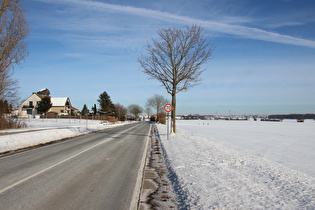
263	62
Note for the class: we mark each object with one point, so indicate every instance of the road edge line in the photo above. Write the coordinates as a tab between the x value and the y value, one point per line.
137	191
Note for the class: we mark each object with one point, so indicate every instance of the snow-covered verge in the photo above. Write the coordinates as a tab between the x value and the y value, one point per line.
242	165
41	131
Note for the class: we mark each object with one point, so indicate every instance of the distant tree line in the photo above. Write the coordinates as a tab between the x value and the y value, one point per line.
132	112
108	108
292	116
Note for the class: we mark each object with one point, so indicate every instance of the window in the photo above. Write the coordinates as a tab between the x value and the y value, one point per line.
30	103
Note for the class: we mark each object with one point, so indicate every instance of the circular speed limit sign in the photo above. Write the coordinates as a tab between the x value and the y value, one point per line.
168	107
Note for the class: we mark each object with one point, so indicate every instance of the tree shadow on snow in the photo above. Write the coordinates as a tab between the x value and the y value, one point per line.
184	201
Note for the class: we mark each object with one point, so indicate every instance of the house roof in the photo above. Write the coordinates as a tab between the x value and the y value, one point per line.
59	101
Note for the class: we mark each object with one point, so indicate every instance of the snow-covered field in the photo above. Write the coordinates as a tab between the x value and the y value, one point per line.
216	164
45	130
243	164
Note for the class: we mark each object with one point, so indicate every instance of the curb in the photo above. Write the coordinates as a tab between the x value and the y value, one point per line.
156	190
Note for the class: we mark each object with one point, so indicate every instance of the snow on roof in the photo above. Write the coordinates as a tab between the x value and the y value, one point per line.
41	90
58	101
44	92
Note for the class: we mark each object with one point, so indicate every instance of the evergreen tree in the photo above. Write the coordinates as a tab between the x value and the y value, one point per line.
106	105
85	110
44	105
94	109
5	107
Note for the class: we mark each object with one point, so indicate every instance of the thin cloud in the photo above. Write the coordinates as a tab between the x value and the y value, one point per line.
284	24
242	31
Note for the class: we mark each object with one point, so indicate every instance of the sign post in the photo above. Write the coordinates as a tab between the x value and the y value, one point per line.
168	108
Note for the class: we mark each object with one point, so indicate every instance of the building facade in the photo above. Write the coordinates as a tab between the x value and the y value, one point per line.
60	105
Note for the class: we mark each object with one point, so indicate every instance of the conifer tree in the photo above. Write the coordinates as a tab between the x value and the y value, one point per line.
4	107
44	105
85	110
94	109
106	105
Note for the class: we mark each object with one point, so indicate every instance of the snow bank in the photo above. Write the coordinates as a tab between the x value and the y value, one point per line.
46	130
229	164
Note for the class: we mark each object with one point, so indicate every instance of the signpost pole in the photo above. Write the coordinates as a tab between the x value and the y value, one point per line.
168	126
168	108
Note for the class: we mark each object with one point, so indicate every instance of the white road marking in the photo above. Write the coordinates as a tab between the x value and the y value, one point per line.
56	164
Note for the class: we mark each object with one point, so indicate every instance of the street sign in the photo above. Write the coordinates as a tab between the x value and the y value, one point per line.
168	107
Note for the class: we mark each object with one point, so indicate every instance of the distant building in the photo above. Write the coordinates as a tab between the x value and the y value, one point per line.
194	117
60	105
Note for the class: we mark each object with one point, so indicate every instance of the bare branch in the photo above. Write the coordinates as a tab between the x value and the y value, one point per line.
13	47
156	102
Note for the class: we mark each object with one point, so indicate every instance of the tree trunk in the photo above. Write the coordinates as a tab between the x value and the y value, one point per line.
173	115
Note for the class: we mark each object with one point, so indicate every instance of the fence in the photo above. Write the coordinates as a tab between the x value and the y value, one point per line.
103	117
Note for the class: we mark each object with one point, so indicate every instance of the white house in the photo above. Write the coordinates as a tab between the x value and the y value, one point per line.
28	107
60	105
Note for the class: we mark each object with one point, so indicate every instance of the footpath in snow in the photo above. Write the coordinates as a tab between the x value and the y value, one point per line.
41	131
242	164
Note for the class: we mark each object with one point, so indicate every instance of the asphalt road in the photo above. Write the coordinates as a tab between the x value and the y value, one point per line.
94	171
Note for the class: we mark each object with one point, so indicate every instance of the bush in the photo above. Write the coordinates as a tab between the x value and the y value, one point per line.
162	117
11	123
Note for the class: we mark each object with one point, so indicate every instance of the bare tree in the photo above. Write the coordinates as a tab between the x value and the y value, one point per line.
147	111
8	87
13	47
135	110
121	112
176	60
156	102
